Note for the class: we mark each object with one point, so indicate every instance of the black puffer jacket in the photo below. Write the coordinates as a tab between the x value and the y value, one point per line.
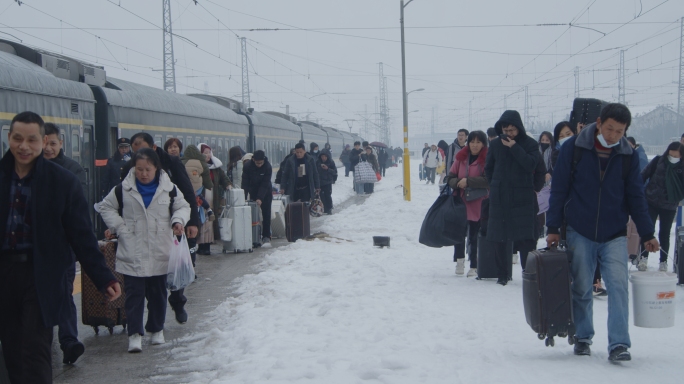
656	190
256	181
290	175
74	167
326	176
510	172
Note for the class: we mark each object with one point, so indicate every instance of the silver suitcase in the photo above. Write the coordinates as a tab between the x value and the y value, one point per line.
242	230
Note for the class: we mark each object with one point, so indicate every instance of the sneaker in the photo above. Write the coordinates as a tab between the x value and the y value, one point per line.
663	266
460	266
515	258
582	349
643	264
472	272
135	343
619	354
181	315
72	352
266	242
502	281
157	338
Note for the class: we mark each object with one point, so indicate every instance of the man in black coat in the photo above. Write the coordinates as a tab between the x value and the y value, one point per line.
68	323
511	162
327	174
300	177
355	155
111	173
256	181
173	166
43	218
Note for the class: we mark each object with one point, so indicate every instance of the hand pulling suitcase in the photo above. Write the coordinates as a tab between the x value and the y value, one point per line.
257	223
486	259
297	224
96	309
277	220
547	296
242	230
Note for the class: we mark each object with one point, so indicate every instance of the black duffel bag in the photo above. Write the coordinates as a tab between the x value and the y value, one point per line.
446	222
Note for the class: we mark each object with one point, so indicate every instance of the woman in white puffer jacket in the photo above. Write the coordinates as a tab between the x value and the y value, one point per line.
153	211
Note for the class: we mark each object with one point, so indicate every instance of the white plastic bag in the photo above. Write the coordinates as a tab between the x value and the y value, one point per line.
225	226
181	272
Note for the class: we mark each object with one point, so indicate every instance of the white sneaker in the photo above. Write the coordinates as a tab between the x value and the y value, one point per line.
663	266
643	264
472	272
515	258
157	338
135	343
460	266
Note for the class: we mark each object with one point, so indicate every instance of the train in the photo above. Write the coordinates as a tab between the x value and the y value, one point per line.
93	110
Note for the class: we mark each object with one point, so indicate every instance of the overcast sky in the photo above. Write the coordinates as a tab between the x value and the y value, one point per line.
323	60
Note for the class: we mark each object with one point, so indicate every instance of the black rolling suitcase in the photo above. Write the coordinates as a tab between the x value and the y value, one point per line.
547	295
486	259
297	221
679	256
585	111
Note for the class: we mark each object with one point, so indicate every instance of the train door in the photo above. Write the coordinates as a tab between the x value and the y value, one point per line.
5	139
113	137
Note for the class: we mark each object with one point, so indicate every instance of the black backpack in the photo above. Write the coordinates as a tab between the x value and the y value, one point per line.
118	192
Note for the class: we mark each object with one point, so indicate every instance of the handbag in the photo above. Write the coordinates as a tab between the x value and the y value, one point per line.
543	197
180	273
225	226
471	194
446	221
364	173
316	207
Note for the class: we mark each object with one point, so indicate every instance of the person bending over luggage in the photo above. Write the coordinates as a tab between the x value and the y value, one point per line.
467	172
300	177
511	162
596	186
37	255
256	181
152	211
68	324
665	189
327	173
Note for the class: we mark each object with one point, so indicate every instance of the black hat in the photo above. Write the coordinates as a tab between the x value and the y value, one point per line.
123	141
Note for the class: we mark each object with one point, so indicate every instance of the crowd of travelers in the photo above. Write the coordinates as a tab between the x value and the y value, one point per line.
589	182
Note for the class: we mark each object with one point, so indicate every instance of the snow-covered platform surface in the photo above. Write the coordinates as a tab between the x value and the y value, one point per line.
338	310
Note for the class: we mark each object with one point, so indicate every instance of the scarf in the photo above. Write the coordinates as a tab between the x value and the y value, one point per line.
673	182
147	191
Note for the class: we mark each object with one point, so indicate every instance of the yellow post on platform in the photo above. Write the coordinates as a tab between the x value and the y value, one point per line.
407	167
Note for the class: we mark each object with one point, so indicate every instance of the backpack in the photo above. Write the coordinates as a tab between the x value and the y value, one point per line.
118	192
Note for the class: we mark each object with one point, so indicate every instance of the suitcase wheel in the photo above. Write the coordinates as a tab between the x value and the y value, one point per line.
96	329
550	342
111	330
540	336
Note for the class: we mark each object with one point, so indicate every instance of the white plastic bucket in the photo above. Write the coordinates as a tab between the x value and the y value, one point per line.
653	299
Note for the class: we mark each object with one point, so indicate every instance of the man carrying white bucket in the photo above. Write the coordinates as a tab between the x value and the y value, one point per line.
596	186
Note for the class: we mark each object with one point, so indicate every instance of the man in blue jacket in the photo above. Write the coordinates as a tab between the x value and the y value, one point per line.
596	187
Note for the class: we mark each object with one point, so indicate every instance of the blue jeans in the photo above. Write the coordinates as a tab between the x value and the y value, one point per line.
612	256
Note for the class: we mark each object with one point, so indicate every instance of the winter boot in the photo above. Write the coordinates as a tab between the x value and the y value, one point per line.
502	281
472	272
460	266
72	352
157	338
181	314
619	354
134	343
582	349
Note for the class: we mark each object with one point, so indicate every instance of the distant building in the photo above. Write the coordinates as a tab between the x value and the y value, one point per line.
657	128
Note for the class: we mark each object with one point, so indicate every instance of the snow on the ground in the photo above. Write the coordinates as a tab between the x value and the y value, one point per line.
341	311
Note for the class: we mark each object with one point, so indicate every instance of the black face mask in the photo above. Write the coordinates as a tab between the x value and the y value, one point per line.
544	146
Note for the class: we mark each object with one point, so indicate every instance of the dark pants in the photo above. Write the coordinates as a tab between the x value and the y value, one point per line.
303	195
501	250
68	322
383	168
152	288
666	218
26	342
525	247
266	212
430	174
459	250
177	298
347	168
326	198
368	187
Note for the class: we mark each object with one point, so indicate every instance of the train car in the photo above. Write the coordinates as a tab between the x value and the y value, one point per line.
336	141
312	133
347	138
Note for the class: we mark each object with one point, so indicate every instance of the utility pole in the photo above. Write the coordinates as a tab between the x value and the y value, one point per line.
169	61
404	96
527	108
245	74
384	128
680	101
577	82
621	78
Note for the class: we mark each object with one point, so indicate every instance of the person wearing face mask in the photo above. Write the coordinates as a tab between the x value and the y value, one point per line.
596	186
546	150
111	176
665	189
561	134
314	150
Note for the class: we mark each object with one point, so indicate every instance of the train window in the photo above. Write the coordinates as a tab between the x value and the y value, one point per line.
198	140
5	142
158	140
75	145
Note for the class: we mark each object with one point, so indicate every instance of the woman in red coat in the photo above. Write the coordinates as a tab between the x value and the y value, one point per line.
467	171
